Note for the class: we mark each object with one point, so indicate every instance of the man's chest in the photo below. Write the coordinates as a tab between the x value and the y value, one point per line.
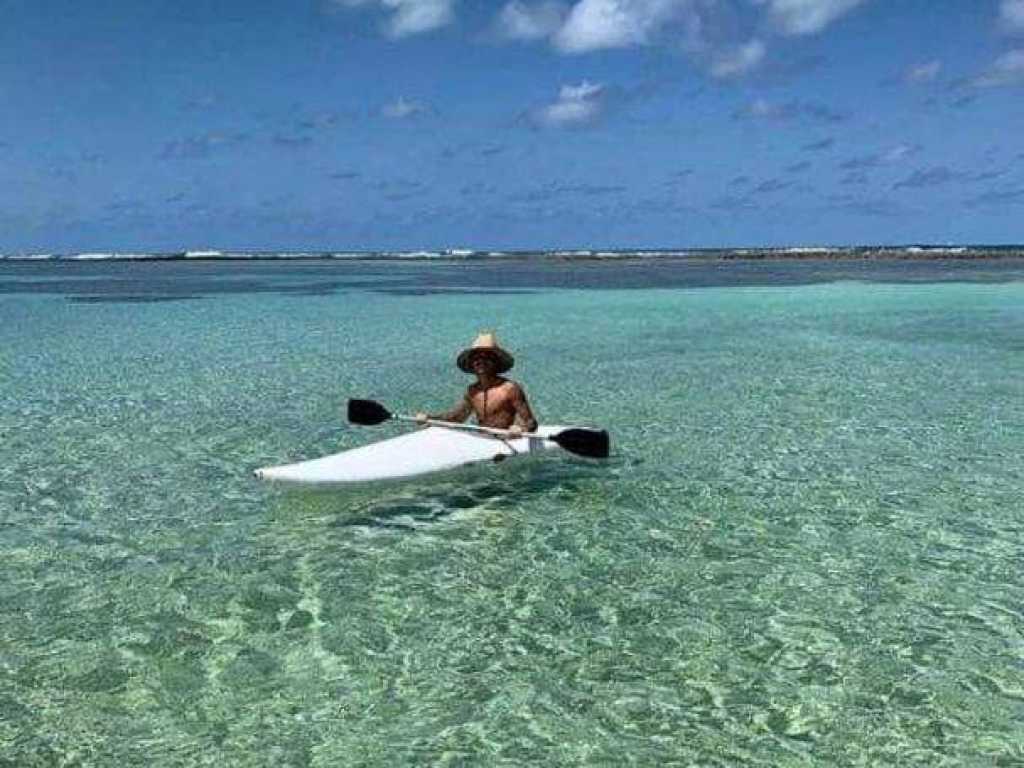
493	400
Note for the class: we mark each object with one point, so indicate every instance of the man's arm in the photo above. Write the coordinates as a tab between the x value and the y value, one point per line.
524	415
459	413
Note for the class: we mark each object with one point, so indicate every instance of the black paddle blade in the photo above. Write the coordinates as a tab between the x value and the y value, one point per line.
592	443
367	412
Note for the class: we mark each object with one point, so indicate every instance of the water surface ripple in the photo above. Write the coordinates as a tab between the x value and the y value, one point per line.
807	549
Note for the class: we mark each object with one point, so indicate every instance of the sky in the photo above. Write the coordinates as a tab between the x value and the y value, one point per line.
426	124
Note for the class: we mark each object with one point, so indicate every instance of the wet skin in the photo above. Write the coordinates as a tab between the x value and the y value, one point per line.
495	401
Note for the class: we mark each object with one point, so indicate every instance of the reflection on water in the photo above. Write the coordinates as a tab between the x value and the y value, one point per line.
412	505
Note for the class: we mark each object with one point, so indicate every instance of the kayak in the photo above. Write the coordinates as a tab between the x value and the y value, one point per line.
422	452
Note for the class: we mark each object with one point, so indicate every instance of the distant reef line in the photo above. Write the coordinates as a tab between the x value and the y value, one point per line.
837	253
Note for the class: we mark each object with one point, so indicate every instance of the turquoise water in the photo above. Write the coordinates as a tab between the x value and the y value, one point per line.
807	549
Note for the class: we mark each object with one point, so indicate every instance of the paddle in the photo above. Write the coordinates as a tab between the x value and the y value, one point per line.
591	443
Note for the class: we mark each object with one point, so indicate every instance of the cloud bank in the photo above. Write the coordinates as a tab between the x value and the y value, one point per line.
728	39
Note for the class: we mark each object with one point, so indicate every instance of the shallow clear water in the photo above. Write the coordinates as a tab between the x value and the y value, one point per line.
807	549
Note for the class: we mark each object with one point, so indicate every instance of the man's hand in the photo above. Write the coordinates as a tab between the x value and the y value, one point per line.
421	419
515	431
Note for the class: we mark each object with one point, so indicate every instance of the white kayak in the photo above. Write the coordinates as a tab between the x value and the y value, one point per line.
422	452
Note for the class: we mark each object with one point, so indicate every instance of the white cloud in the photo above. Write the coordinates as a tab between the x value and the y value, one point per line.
857	165
576	105
899	152
596	24
1011	14
1007	70
402	109
705	29
738	61
520	21
410	17
923	73
762	109
807	17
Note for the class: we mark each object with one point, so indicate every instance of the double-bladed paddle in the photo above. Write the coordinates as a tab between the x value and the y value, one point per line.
591	443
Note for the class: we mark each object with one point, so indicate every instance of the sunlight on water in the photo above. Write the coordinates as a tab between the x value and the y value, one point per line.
806	549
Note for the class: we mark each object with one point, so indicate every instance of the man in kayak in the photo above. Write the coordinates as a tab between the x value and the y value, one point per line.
496	402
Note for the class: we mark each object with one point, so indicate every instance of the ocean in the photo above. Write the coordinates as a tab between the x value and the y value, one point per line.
806	548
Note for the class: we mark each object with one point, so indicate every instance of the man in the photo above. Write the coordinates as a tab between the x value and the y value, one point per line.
495	401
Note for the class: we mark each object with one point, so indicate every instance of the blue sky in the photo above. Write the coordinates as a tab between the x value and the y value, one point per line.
408	124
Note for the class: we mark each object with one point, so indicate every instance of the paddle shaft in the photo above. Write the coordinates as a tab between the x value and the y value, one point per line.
583	442
503	433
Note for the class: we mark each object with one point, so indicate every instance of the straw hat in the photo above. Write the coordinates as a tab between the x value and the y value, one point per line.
486	343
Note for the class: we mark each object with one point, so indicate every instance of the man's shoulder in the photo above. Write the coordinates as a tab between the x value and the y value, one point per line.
513	387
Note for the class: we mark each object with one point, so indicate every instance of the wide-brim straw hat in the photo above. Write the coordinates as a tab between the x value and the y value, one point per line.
486	343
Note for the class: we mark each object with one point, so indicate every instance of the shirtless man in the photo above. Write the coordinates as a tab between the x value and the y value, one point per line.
495	401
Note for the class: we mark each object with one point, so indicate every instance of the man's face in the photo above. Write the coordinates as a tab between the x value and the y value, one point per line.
482	364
